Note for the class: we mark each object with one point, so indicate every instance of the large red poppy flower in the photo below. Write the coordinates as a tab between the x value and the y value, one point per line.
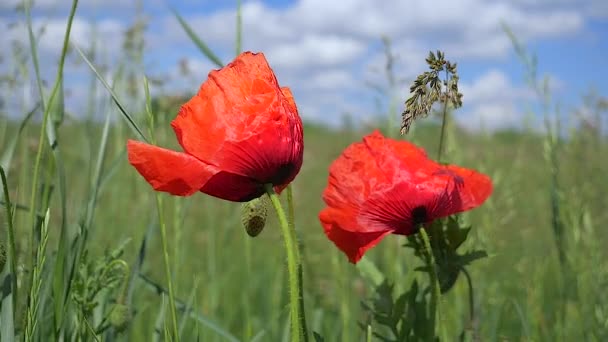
383	186
239	132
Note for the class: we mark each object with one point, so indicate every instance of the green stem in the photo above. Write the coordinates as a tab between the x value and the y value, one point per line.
436	291
293	264
163	237
443	124
291	219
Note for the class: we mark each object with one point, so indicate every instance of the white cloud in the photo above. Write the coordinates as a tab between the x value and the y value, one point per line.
495	86
311	51
50	34
85	4
328	80
491	101
327	50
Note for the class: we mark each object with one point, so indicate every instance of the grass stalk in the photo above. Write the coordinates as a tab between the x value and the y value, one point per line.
163	226
444	120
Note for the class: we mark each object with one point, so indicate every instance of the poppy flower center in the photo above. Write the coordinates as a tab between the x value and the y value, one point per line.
281	174
419	216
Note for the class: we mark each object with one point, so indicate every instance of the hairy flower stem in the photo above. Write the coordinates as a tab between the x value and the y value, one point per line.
293	267
291	219
436	291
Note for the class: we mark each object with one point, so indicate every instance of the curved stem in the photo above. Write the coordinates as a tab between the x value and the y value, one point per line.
291	219
471	294
471	325
436	291
293	264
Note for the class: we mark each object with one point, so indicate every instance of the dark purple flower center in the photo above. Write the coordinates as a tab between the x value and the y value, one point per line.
419	216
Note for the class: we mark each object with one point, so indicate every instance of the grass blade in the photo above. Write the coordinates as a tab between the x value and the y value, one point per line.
161	221
197	41
193	314
7	156
122	109
55	105
8	286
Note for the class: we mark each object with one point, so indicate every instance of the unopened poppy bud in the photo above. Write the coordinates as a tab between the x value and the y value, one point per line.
120	317
253	216
2	257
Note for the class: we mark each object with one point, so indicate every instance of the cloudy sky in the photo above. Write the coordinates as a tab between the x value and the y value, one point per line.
329	52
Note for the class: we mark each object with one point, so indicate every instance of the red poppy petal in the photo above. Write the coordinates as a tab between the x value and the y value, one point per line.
169	171
465	189
353	244
352	177
289	97
375	164
388	152
199	128
274	156
232	187
235	103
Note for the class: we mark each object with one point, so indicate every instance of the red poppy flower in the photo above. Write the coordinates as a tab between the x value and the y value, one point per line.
383	186
239	132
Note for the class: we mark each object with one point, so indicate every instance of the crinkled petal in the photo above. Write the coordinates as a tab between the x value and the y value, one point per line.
353	244
375	164
233	104
242	122
464	189
183	175
382	186
169	171
233	187
271	157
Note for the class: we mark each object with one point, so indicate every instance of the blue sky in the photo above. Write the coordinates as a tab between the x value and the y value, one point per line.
327	51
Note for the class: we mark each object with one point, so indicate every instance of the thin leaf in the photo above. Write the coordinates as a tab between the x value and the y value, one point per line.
7	156
181	306
122	109
8	286
197	41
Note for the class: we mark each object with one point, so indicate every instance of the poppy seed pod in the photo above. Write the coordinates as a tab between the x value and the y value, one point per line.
253	215
120	317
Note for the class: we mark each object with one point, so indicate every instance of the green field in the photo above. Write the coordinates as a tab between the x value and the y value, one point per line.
545	278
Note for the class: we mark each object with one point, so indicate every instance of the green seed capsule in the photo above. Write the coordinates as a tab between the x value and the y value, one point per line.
253	216
120	317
